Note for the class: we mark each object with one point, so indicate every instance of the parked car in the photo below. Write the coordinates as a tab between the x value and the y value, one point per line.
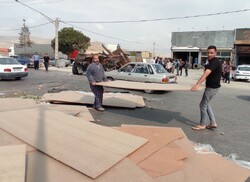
63	62
142	72
242	72
11	68
24	60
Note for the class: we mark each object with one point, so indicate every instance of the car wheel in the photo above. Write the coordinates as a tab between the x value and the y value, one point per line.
148	91
18	78
110	78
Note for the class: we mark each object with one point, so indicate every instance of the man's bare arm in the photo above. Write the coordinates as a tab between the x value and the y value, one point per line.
202	79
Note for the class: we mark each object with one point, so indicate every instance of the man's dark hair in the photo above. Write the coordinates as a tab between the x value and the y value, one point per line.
212	47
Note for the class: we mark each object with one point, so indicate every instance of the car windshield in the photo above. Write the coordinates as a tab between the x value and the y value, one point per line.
246	68
8	61
159	68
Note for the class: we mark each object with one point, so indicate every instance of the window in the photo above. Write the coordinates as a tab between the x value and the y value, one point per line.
150	70
128	68
159	68
141	68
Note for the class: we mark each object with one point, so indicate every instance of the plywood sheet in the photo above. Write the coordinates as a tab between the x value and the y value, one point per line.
9	104
144	86
42	168
74	110
7	139
109	99
164	161
86	147
223	170
158	137
177	176
193	169
12	163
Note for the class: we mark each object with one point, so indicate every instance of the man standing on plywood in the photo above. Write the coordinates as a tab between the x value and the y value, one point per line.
95	73
212	75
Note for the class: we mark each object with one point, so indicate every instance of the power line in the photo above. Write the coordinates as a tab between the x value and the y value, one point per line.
32	2
161	19
90	31
28	27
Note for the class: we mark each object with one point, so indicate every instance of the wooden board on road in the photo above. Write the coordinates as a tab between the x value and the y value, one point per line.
12	163
145	86
89	148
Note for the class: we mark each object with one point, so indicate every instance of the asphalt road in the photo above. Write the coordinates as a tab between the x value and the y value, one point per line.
175	109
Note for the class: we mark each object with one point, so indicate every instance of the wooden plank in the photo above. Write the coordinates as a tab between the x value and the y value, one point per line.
74	110
194	169
42	168
164	161
9	104
81	145
12	163
158	138
7	139
144	86
172	177
223	170
109	99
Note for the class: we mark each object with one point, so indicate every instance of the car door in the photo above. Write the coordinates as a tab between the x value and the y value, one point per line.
124	73
140	73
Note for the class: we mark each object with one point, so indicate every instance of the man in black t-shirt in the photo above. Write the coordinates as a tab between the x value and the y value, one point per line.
46	61
212	75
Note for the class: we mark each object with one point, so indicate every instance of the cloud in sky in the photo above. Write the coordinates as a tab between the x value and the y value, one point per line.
143	34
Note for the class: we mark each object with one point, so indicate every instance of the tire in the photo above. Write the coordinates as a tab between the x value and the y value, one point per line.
149	91
110	78
195	66
74	69
18	78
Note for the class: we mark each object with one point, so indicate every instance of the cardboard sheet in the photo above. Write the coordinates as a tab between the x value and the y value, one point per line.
223	170
164	161
89	148
42	168
7	139
158	138
172	177
12	163
9	104
144	86
109	99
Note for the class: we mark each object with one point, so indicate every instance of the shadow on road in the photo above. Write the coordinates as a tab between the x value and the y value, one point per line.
146	114
244	97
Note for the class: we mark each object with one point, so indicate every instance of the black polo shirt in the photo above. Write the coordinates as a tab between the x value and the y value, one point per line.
213	79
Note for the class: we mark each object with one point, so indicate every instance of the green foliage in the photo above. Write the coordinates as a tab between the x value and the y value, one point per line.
70	39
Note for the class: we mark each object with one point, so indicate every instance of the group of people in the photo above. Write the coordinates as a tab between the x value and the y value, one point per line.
211	76
36	59
173	64
226	69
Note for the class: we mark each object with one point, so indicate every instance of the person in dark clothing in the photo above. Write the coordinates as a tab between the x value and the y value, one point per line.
227	69
182	63
46	61
95	73
212	75
186	66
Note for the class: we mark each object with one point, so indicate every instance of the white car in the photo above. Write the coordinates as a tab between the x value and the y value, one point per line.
10	68
142	72
241	72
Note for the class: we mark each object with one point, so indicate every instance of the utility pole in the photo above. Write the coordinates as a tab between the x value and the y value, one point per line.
56	41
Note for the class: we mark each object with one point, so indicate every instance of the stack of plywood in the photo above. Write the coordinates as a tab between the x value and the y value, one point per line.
49	143
109	99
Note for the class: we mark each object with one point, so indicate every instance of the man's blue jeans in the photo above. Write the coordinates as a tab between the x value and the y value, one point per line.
205	107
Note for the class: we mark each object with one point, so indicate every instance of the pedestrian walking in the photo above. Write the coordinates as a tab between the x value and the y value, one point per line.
227	70
181	66
212	75
186	66
95	73
46	61
177	65
35	58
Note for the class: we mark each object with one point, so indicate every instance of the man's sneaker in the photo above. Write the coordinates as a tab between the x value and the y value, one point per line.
100	109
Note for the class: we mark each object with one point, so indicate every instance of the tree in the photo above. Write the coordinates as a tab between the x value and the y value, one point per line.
70	39
24	36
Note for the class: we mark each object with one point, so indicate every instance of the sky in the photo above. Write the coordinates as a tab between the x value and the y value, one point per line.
130	36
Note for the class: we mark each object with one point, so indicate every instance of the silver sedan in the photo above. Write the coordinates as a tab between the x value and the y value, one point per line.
142	72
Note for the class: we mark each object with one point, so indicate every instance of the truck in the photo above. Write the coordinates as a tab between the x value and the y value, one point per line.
110	60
